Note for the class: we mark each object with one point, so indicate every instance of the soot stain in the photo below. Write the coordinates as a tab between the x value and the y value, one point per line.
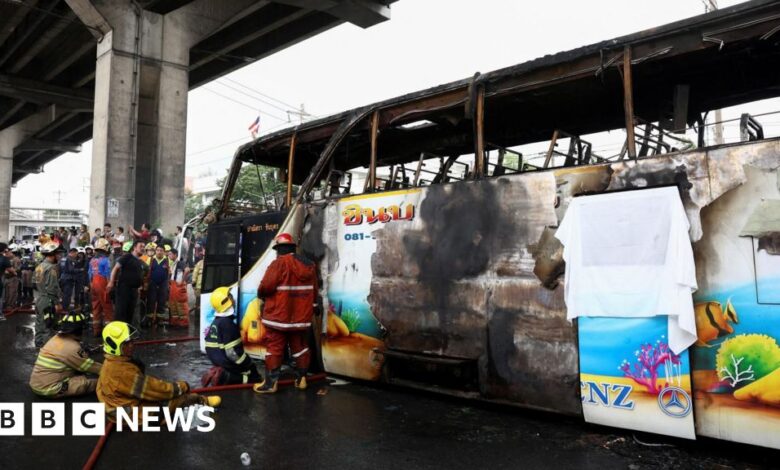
464	227
311	243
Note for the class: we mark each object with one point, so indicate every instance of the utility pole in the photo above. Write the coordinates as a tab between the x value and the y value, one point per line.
301	113
712	5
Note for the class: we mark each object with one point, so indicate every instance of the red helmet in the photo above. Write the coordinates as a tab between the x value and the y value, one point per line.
283	239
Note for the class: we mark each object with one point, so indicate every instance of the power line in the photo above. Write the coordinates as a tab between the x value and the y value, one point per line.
252	90
245	105
252	97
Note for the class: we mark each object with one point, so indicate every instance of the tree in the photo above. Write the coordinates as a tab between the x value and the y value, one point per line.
255	182
193	205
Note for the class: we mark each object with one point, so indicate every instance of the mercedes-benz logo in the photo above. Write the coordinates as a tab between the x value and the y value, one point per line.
675	402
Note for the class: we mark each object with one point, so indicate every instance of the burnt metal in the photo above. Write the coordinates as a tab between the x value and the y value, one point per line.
750	129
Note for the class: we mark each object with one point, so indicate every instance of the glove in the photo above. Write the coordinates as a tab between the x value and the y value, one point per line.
184	386
48	317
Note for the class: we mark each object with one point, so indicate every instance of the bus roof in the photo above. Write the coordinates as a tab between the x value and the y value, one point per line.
722	58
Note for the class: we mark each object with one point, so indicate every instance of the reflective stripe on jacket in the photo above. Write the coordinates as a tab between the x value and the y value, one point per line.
59	359
289	288
123	383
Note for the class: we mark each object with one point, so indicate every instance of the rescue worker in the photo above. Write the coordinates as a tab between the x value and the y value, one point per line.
197	282
99	274
157	290
46	280
127	276
289	290
69	278
178	305
224	346
123	383
60	368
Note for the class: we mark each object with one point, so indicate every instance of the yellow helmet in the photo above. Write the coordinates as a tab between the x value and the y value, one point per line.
221	300
115	334
102	245
151	246
49	248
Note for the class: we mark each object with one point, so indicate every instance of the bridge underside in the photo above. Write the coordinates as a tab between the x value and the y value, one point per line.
51	79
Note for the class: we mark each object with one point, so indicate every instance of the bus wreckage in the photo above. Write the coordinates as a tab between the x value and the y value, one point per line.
436	241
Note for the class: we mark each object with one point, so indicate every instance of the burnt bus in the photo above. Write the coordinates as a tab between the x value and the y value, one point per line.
435	237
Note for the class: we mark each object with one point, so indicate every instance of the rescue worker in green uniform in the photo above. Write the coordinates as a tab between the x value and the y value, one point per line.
46	279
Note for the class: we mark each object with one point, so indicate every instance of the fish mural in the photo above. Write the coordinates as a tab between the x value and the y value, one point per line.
713	321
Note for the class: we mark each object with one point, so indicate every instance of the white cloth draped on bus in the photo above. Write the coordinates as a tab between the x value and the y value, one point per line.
628	255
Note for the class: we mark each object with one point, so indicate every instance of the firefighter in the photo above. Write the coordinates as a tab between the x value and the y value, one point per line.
224	346
158	285
178	305
123	383
289	290
62	363
99	274
46	280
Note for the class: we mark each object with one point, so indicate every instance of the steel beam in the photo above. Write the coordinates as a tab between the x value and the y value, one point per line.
42	144
44	93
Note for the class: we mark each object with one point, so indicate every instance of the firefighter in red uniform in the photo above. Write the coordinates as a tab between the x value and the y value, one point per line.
289	290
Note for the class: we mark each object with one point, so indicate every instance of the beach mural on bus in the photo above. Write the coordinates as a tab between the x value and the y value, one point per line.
353	336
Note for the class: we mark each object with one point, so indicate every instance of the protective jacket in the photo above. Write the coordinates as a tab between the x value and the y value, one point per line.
122	382
289	288
46	280
224	346
61	358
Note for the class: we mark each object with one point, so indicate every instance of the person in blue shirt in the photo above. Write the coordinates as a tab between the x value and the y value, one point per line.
99	273
157	291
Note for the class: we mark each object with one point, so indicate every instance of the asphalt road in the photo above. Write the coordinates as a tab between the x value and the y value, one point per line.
342	424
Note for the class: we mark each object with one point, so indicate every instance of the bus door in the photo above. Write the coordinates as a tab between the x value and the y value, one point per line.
221	266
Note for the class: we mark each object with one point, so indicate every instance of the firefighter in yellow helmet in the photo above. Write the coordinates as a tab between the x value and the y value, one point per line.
224	346
62	363
123	383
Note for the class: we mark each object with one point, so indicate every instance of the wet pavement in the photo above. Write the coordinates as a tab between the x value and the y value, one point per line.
341	424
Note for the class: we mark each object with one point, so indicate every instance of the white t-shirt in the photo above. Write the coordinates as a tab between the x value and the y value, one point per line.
628	254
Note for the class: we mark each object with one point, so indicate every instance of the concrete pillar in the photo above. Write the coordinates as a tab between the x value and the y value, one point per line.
140	112
10	138
139	121
6	171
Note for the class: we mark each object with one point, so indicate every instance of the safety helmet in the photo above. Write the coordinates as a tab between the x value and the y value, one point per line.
151	246
13	247
81	249
128	246
72	323
222	300
89	247
283	239
50	248
115	334
102	245
167	247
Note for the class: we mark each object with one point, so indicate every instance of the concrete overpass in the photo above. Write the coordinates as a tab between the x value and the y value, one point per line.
118	72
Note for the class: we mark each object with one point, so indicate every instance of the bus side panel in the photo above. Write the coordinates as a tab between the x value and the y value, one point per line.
737	358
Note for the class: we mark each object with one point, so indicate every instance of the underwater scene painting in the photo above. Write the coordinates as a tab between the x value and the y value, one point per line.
736	364
631	379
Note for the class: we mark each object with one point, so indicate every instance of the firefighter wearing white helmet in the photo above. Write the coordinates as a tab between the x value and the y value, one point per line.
224	346
123	383
46	280
99	272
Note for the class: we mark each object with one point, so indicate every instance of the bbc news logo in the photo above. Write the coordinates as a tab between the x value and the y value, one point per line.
89	419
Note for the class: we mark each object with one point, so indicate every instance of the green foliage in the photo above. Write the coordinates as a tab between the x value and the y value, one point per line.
250	188
193	205
760	352
351	318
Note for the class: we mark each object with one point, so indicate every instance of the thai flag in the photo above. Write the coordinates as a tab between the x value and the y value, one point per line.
255	127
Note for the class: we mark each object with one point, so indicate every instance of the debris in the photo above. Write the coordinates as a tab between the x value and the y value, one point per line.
171	345
651	444
246	459
158	364
322	392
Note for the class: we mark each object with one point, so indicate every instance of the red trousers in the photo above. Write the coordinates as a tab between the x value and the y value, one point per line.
275	340
102	308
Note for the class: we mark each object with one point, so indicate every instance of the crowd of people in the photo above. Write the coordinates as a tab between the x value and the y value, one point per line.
64	369
137	276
